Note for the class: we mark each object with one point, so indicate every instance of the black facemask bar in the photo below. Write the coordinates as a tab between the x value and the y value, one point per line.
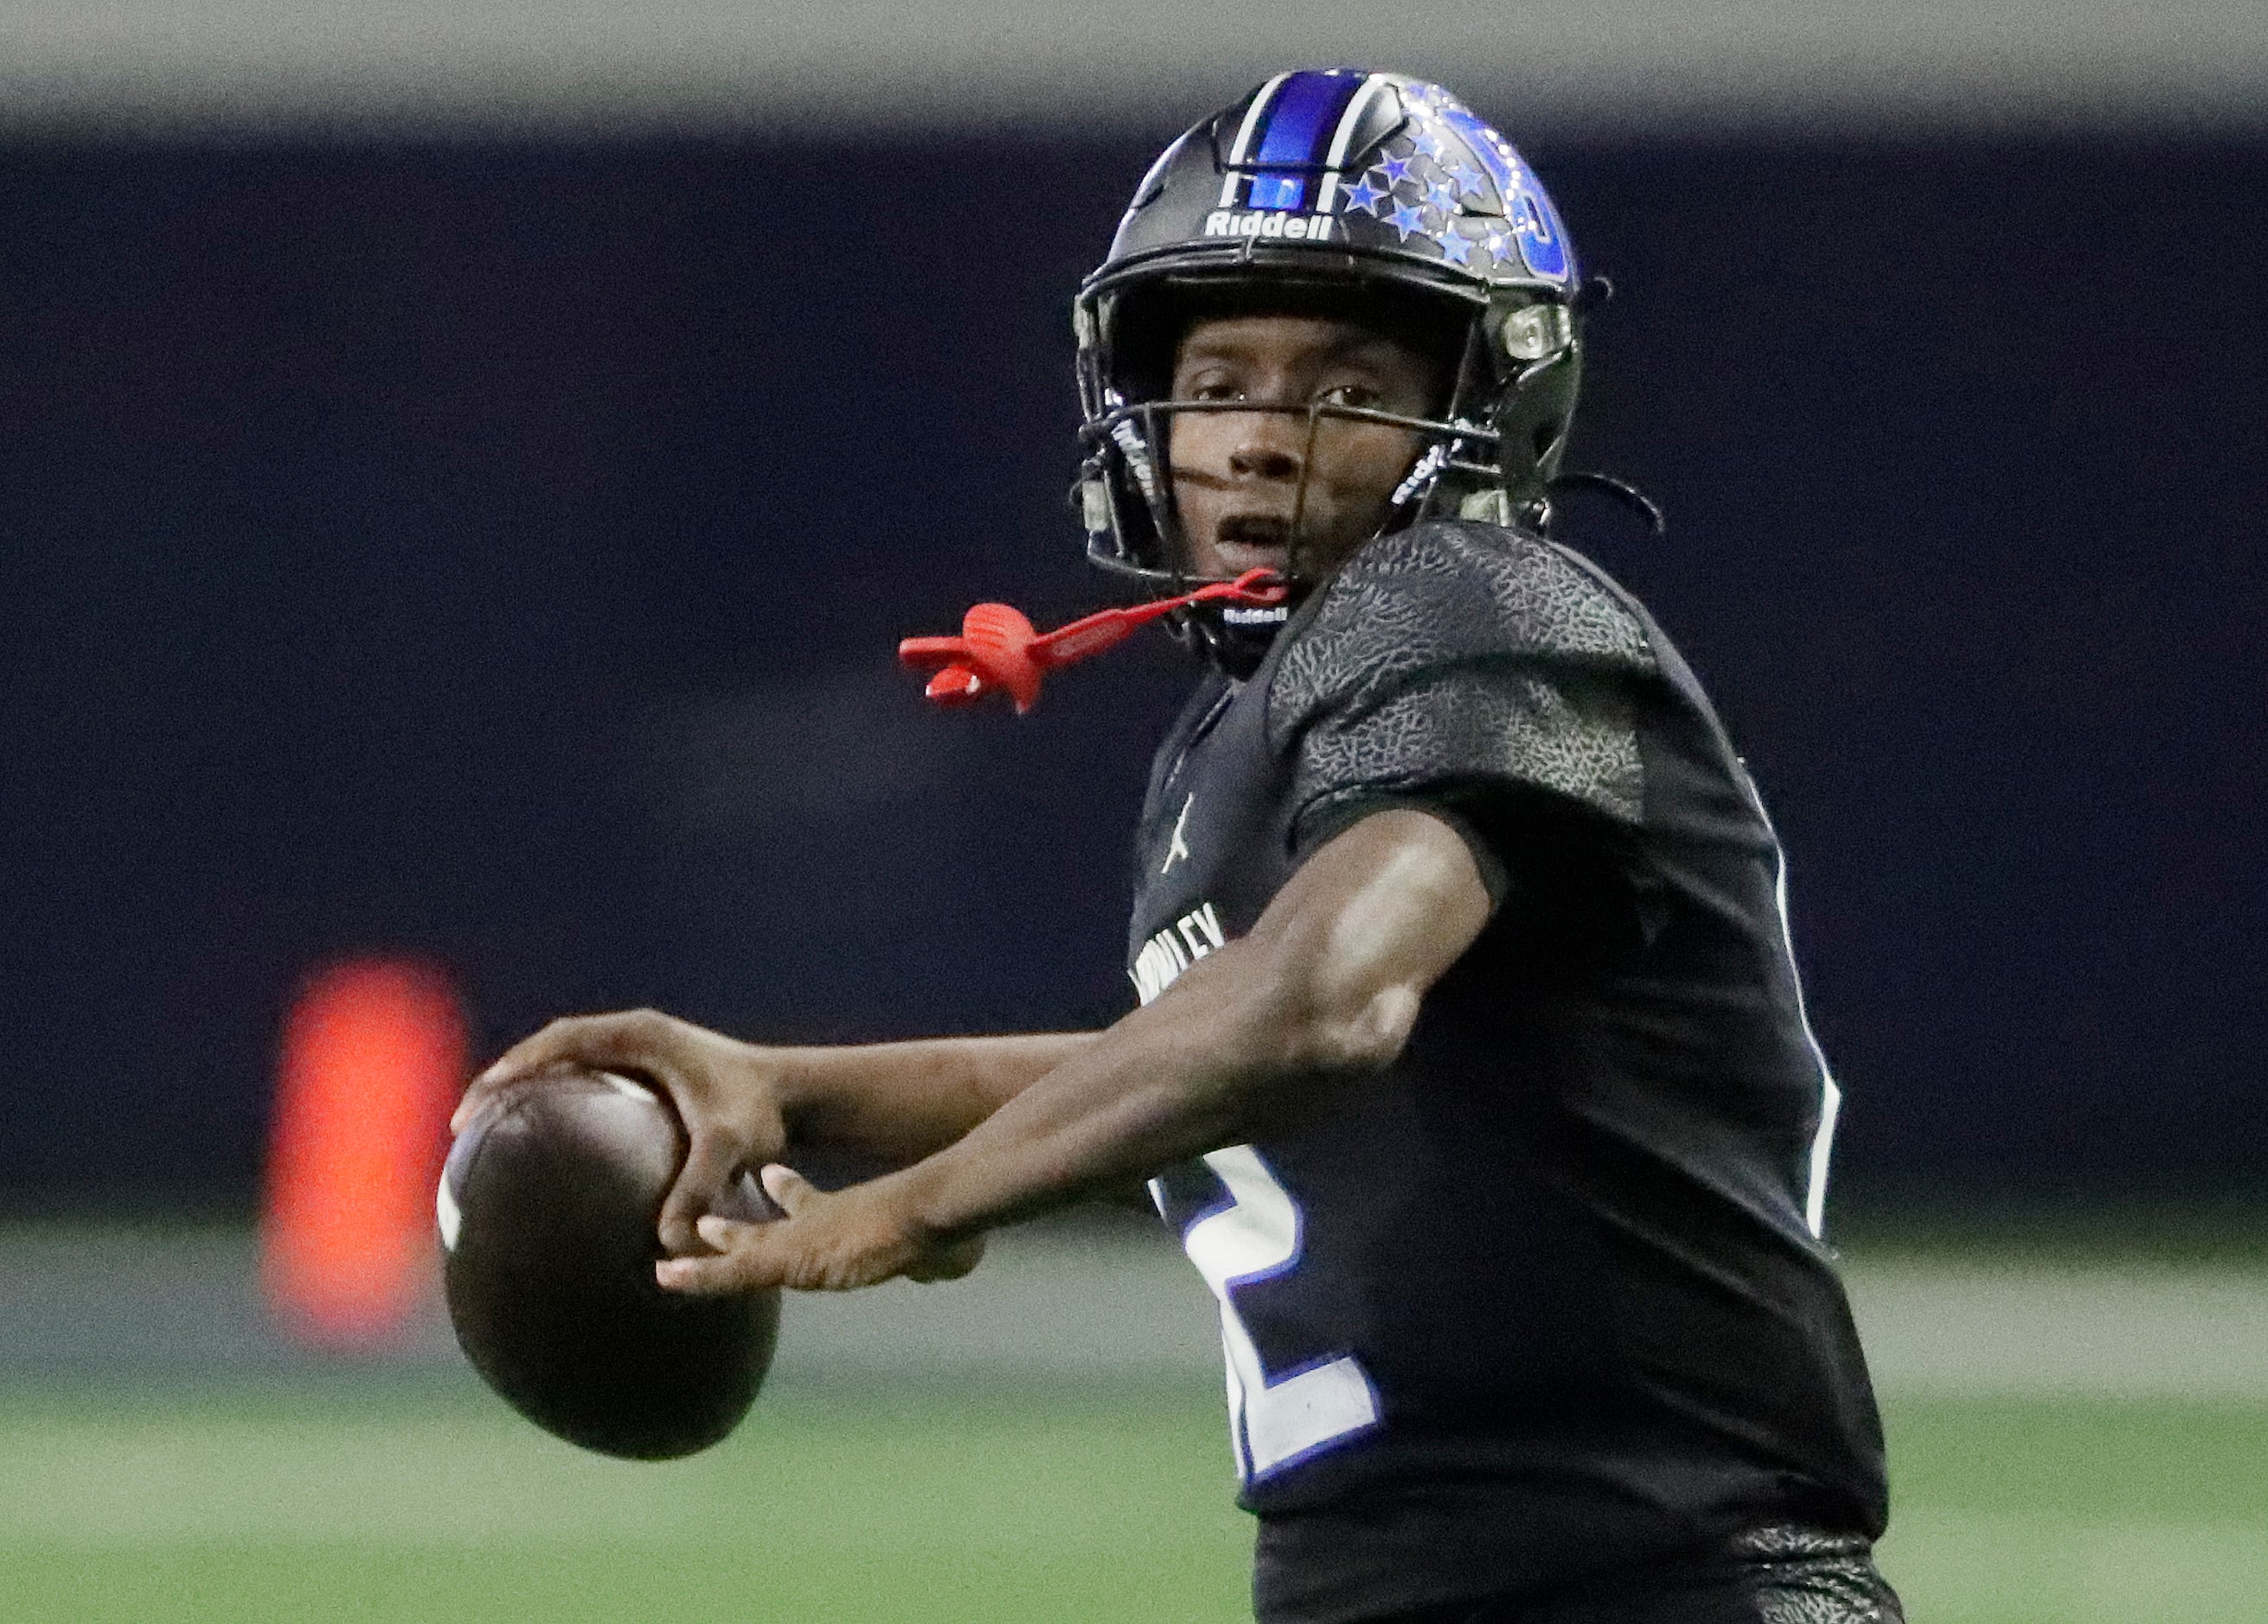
1126	450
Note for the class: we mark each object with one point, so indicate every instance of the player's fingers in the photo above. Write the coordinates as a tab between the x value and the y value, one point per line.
710	1162
481	1090
548	1048
476	1095
788	1188
747	1258
749	1269
632	1041
722	1232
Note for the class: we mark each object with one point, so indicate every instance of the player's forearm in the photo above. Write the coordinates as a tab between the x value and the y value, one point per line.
899	1102
1325	988
1201	1067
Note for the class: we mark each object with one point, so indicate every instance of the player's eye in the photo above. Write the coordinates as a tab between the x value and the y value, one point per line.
1213	388
1362	397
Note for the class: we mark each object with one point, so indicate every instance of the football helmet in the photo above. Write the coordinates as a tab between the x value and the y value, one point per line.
1363	193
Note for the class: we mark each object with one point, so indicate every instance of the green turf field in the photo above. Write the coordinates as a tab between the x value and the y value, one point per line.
423	1500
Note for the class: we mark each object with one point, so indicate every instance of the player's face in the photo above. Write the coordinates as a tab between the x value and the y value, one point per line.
1254	490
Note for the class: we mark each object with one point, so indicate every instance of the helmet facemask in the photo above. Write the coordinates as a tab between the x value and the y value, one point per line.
1470	457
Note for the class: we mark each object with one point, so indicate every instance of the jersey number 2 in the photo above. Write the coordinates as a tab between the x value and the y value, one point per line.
1273	1420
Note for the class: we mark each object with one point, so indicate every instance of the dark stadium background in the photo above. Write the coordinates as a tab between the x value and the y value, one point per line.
495	549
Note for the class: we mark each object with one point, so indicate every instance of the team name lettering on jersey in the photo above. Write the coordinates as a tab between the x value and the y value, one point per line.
1175	949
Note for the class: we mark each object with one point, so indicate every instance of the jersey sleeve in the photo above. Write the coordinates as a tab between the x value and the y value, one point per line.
1468	669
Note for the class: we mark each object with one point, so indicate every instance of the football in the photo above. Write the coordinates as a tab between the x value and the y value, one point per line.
548	1206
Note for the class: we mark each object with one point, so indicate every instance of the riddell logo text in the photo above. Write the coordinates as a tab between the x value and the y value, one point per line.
1268	223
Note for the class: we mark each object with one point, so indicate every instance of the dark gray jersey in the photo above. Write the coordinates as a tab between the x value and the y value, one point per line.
1548	1296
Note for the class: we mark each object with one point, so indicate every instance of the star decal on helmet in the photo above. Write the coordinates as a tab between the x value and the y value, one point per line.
1408	221
1428	141
1468	180
1396	170
1365	195
1456	247
1441	195
1494	152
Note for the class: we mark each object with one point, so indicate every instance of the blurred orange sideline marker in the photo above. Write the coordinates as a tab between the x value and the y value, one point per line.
374	1053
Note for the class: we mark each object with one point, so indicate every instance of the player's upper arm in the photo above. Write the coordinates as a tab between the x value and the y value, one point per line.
1367	925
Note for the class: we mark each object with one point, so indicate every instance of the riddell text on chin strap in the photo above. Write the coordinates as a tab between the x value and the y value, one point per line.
997	649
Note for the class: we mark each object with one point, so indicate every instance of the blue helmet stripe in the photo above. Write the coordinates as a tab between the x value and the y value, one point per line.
1300	119
1241	151
1342	138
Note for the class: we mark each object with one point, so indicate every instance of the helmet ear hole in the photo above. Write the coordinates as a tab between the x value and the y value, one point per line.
1531	332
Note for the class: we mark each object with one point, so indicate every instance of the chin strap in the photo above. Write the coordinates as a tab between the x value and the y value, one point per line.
997	649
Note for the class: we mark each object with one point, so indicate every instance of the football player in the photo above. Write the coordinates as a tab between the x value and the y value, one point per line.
1470	1061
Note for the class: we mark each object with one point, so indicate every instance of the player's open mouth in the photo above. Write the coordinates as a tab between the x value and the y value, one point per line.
1254	540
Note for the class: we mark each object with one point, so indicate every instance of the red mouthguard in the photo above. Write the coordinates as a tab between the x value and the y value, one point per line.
999	650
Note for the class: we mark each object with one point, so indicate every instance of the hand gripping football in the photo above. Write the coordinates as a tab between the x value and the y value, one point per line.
999	652
547	1207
